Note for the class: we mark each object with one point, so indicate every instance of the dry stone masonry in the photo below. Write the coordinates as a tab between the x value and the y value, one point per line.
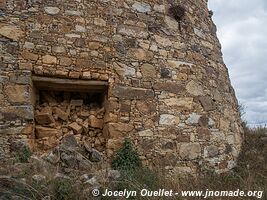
103	70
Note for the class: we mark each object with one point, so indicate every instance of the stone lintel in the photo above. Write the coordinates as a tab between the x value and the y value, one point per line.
61	84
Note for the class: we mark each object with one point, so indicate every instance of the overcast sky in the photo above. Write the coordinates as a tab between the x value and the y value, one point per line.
242	30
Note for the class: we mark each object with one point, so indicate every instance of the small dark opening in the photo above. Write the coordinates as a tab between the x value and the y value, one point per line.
91	99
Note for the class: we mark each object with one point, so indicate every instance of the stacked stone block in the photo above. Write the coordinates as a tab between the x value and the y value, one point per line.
169	90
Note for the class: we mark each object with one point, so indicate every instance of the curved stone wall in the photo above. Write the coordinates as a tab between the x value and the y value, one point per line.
169	90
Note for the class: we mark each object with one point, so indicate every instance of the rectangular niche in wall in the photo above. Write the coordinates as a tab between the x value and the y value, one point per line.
65	106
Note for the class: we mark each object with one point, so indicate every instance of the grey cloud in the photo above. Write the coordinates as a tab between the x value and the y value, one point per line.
242	32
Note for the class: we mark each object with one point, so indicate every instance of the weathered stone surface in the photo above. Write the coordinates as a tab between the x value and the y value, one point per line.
159	8
80	42
99	22
11	113
189	150
69	143
132	31
28	130
203	121
61	114
140	54
95	123
86	75
194	88
146	108
199	33
163	41
224	124
125	108
61	73
165	73
94	45
76	127
114	144
148	71
168	145
141	7
123	70
44	118
58	49
171	23
73	13
42	132
203	133
81	62
80	28
117	130
29	56
207	103
132	93
217	96
75	75
193	119
47	59
11	32
18	93
170	120
28	45
146	133
172	87
3	4
52	10
211	151
184	102
217	136
211	122
176	64
95	156
11	131
25	66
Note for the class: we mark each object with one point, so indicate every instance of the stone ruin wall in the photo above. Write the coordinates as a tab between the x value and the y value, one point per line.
168	88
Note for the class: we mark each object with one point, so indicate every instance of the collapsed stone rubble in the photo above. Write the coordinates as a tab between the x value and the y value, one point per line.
56	117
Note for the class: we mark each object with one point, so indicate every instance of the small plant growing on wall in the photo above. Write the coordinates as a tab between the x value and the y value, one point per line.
24	155
63	190
210	13
178	13
126	158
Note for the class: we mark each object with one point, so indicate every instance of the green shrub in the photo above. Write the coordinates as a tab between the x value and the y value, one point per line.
63	190
24	155
126	158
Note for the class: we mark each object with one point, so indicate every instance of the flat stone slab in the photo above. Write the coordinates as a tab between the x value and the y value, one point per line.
132	93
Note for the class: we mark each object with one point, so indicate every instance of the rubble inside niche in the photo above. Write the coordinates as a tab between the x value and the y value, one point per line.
58	114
